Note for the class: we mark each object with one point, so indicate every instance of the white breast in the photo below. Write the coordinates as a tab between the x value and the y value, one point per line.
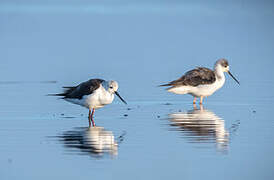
99	98
207	89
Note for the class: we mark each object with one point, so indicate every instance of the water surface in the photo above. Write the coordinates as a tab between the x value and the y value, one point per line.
49	44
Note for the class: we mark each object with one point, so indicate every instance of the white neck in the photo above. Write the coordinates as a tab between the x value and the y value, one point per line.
219	72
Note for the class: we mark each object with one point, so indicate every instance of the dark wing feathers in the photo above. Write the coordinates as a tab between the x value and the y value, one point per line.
82	89
68	87
194	77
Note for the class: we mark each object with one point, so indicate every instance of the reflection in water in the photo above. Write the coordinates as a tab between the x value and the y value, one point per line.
201	126
94	141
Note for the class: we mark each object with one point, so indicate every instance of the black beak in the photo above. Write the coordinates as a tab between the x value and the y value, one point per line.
233	77
120	97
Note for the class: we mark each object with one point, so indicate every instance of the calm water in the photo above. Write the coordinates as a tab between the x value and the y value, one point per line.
49	44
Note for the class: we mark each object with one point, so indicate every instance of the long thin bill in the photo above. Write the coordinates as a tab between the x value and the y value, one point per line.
120	97
233	77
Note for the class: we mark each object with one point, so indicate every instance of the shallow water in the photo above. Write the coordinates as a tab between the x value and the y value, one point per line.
157	135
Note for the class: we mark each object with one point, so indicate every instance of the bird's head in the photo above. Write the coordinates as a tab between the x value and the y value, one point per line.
112	88
222	64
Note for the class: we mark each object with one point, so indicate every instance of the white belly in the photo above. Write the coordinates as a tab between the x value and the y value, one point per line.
206	90
198	91
97	99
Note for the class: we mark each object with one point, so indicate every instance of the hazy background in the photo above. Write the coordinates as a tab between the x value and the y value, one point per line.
149	42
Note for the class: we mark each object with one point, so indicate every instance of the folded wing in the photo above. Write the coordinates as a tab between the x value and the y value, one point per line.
195	77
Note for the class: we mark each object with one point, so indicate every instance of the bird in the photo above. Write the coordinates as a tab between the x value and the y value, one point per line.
201	82
92	94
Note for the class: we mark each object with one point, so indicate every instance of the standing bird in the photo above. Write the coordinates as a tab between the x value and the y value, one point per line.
201	82
92	94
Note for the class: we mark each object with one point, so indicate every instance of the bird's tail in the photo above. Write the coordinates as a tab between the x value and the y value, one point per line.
162	85
60	94
178	89
65	93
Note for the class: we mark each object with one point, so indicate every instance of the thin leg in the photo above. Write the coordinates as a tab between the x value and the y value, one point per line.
89	118
201	99
194	100
93	110
194	106
202	108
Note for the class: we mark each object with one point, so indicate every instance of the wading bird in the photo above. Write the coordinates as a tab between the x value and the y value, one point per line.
92	94
201	82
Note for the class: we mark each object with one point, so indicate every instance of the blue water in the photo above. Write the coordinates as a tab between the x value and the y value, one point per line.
45	45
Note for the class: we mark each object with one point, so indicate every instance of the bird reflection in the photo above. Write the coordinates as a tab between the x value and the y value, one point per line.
201	126
94	141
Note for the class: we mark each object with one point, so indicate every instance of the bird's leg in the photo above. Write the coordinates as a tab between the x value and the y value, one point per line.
93	124
194	100
202	108
194	107
89	117
201	100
